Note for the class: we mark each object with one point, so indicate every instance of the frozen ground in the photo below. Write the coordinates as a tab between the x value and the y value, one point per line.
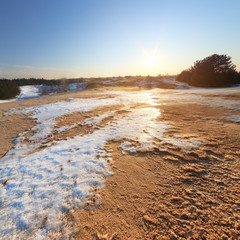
42	180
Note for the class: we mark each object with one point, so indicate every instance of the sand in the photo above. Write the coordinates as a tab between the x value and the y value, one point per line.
170	195
158	194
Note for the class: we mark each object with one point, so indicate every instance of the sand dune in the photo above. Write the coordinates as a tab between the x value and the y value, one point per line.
119	163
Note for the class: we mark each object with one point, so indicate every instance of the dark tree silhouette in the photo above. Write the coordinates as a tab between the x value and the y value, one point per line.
213	71
8	89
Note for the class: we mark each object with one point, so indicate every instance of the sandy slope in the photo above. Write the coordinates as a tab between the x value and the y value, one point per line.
163	193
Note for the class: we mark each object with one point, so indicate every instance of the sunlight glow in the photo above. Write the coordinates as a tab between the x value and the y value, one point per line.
151	59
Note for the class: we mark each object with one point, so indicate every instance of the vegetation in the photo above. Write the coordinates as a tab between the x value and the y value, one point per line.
8	89
213	71
35	81
42	81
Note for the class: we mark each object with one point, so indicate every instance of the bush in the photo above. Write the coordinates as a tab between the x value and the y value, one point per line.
8	89
213	71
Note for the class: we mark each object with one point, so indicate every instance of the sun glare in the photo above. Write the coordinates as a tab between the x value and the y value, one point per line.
151	60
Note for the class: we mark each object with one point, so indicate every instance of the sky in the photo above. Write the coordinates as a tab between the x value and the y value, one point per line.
103	38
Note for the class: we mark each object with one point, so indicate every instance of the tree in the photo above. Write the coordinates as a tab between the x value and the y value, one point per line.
213	71
8	89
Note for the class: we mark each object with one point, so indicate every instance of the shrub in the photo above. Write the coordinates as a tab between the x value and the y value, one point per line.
213	71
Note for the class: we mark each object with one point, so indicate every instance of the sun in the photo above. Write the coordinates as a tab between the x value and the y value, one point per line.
151	60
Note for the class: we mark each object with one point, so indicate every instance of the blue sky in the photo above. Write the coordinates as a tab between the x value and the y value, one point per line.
91	38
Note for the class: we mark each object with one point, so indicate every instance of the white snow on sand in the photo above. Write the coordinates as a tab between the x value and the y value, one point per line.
126	147
30	91
39	187
179	85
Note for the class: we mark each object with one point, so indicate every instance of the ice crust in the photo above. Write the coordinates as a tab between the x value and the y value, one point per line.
40	187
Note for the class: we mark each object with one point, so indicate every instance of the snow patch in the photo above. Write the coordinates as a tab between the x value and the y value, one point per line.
126	147
182	143
98	119
30	91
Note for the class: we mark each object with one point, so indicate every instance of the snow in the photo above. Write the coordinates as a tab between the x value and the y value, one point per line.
66	128
98	119
76	86
9	100
180	85
30	91
184	144
58	109
43	185
42	130
126	147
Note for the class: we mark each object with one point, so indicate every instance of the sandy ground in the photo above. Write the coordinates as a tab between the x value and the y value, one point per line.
160	194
